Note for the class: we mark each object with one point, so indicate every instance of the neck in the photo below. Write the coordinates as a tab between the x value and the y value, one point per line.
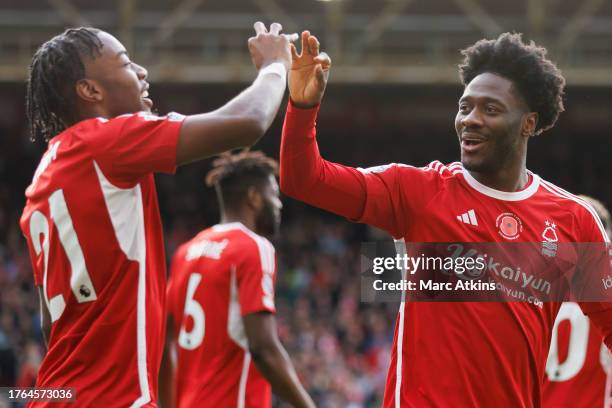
244	217
509	179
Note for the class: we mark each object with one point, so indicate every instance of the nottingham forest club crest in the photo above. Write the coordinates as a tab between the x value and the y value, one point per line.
509	225
549	239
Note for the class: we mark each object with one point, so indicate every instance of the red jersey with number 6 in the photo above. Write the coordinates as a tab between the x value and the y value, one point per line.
94	234
222	274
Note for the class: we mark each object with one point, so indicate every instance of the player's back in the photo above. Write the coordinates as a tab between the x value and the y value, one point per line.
94	234
224	273
577	363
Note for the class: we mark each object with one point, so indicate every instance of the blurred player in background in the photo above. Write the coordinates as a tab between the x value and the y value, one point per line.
221	299
91	218
578	361
457	354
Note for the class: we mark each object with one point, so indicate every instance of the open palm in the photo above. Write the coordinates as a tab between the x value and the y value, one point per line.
309	72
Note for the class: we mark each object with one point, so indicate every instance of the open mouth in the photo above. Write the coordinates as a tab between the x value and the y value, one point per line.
471	145
145	98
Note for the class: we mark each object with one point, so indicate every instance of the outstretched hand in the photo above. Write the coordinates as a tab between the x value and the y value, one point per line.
270	46
309	72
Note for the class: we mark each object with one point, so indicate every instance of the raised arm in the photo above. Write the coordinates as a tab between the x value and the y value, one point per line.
243	120
272	360
304	174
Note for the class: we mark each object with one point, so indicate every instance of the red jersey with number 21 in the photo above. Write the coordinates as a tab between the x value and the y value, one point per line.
222	274
94	235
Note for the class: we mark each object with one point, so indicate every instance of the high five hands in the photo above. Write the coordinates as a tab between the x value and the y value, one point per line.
309	72
270	46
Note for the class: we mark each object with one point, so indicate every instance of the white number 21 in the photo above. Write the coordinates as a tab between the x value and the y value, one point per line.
80	281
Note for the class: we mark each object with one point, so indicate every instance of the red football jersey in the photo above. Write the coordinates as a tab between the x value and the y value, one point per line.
577	361
94	234
225	272
450	354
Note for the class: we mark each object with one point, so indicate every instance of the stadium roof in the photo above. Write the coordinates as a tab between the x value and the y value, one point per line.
392	41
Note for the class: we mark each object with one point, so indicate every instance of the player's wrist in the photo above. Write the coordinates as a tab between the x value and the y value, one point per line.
303	105
274	68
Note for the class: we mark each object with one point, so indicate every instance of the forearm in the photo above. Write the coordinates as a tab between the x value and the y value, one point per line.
306	176
275	366
239	123
166	381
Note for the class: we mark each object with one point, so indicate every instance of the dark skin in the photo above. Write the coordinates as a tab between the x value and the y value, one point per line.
260	212
493	124
115	85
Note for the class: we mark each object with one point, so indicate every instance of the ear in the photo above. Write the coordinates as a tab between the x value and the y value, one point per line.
530	122
88	90
254	199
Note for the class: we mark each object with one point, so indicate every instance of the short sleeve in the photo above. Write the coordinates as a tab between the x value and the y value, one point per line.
130	146
395	193
256	277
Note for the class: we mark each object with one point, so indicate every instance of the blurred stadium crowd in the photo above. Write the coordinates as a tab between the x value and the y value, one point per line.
340	346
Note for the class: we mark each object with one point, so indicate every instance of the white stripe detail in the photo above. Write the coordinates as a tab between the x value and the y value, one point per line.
473	219
266	257
235	325
468	218
244	376
503	195
564	194
400	248
126	213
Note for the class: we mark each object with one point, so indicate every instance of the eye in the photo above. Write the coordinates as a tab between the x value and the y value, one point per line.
492	109
464	108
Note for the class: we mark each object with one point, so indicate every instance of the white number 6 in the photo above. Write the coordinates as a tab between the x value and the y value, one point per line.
192	339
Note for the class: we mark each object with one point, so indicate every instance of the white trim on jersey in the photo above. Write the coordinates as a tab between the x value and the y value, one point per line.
564	194
400	248
503	195
126	212
235	325
244	377
266	257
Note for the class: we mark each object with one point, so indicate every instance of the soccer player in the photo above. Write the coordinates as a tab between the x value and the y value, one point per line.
578	363
91	218
457	354
221	298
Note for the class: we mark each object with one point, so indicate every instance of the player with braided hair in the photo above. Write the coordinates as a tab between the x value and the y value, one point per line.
91	218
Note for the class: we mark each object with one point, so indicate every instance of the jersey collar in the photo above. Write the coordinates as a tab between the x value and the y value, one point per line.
503	195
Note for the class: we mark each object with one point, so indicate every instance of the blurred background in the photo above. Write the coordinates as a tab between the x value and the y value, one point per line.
392	98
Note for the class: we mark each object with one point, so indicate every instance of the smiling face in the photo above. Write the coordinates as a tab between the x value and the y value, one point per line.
493	124
114	85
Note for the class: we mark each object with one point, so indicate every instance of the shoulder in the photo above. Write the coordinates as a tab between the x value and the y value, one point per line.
249	246
585	215
433	170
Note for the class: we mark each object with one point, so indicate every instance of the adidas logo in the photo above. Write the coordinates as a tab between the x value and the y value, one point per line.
468	218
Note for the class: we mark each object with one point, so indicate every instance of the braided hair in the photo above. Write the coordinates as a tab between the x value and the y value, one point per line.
55	69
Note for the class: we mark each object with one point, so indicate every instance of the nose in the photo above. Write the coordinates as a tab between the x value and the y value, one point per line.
141	72
472	119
